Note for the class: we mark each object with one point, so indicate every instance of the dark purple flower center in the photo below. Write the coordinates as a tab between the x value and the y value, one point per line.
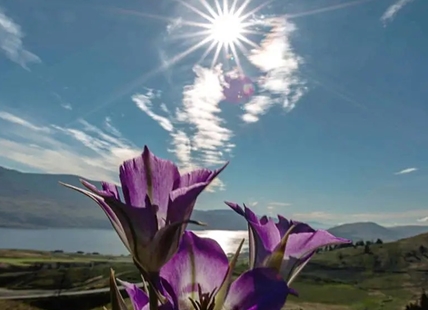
205	300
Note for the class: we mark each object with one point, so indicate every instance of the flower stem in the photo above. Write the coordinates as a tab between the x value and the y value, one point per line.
153	298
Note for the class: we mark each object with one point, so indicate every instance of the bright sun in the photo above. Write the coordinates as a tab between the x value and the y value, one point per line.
226	28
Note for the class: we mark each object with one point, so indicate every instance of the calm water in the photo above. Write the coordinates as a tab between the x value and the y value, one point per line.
96	240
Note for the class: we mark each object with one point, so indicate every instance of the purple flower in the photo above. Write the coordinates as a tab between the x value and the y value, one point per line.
287	245
158	203
198	277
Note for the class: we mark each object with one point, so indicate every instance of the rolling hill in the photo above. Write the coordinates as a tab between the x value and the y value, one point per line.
35	200
31	200
372	231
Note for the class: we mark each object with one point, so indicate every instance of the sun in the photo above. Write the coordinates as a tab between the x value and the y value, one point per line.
226	29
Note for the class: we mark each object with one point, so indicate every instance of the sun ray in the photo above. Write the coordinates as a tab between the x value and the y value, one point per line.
190	35
201	14
219	9
226	29
187	52
248	41
217	52
209	8
235	54
232	9
242	48
225	7
239	11
207	51
158	17
256	9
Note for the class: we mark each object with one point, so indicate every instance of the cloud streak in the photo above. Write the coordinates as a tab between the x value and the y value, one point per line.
406	171
393	10
280	83
408	216
11	43
85	150
21	122
198	134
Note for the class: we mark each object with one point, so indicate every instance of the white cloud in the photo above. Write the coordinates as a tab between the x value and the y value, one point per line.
408	216
85	150
392	11
423	219
67	106
201	112
110	128
177	23
280	84
21	122
11	42
143	102
198	135
406	171
279	204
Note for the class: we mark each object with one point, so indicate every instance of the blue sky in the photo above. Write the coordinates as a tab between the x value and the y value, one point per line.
335	131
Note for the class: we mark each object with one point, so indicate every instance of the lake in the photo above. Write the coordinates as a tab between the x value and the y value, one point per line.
102	241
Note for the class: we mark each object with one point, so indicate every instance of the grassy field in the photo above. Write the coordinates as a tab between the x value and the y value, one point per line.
384	276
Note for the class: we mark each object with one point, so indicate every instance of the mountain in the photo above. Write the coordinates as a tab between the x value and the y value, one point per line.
35	200
32	200
372	231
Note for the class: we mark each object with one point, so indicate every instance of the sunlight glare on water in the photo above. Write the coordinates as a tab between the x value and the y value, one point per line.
227	239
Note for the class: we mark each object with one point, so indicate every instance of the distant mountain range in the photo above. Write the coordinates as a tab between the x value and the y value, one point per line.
31	200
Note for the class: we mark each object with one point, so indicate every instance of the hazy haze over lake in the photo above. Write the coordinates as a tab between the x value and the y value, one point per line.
97	240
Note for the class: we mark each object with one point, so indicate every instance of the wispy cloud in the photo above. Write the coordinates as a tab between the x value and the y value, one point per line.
11	42
393	10
199	137
21	122
423	219
200	111
143	102
279	204
408	216
61	101
280	83
406	171
85	149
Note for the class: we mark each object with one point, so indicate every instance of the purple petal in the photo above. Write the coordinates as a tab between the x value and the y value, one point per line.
182	202
266	238
198	261
198	176
148	175
301	247
138	297
109	190
301	244
251	216
111	215
263	236
257	289
235	207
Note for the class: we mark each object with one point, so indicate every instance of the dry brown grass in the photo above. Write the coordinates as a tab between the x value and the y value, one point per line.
314	306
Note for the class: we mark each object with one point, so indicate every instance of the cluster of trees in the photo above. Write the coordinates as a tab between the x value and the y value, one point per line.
365	244
421	304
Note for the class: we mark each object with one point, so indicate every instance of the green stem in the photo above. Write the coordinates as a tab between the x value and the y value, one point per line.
153	298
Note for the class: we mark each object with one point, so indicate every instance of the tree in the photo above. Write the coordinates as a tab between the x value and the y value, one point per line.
379	241
423	301
359	243
367	249
422	304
